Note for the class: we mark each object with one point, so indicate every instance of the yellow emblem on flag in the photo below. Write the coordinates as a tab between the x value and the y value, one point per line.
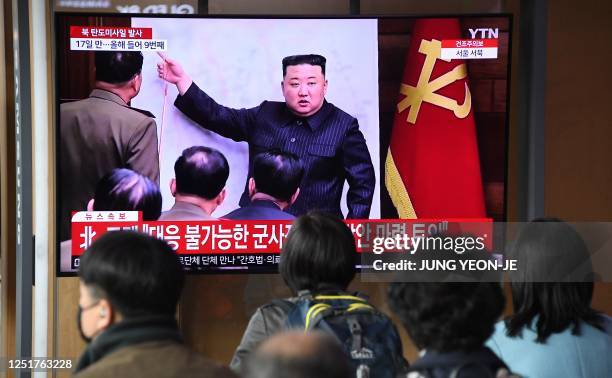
425	89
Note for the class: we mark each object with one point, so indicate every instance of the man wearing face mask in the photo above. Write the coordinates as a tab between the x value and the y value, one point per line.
130	285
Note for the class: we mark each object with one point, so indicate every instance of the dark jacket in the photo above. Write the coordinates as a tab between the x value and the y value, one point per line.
480	363
259	209
150	347
328	143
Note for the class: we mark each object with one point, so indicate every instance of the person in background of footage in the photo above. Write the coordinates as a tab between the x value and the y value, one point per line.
273	187
102	132
199	184
120	190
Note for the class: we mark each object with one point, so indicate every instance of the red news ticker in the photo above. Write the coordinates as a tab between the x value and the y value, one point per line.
110	32
468	43
255	237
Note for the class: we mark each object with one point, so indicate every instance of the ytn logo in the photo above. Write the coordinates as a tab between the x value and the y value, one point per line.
484	33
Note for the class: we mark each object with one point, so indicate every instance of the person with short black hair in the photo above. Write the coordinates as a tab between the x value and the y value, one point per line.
273	187
554	331
199	184
117	67
297	354
317	260
130	286
120	190
327	140
103	132
318	255
450	323
310	59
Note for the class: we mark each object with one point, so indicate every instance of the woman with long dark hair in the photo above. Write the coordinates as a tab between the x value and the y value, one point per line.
553	331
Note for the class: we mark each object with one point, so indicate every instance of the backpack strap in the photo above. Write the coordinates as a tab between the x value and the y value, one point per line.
360	306
315	313
345	297
320	306
356	336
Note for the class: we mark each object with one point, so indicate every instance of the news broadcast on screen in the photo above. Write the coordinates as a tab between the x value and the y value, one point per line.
215	133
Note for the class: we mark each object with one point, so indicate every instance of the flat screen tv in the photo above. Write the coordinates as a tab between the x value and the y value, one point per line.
408	118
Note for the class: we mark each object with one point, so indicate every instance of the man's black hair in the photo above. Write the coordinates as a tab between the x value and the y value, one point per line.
117	67
548	249
319	253
447	316
124	189
201	171
140	275
312	59
277	174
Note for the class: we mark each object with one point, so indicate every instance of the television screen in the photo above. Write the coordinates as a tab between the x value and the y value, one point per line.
232	126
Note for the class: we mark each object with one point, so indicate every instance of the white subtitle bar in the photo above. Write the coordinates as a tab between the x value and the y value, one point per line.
469	53
119	44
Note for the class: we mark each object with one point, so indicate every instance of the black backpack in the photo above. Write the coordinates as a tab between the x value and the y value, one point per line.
368	336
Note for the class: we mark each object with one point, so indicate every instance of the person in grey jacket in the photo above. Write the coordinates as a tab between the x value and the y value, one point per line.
319	256
318	259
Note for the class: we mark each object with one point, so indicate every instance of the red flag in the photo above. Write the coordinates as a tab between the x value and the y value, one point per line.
432	166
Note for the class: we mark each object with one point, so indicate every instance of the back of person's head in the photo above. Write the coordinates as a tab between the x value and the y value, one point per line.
447	316
553	282
312	59
300	355
201	171
116	67
319	253
124	190
138	274
277	174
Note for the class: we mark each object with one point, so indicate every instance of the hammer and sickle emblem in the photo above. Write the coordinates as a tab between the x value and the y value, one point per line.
425	89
